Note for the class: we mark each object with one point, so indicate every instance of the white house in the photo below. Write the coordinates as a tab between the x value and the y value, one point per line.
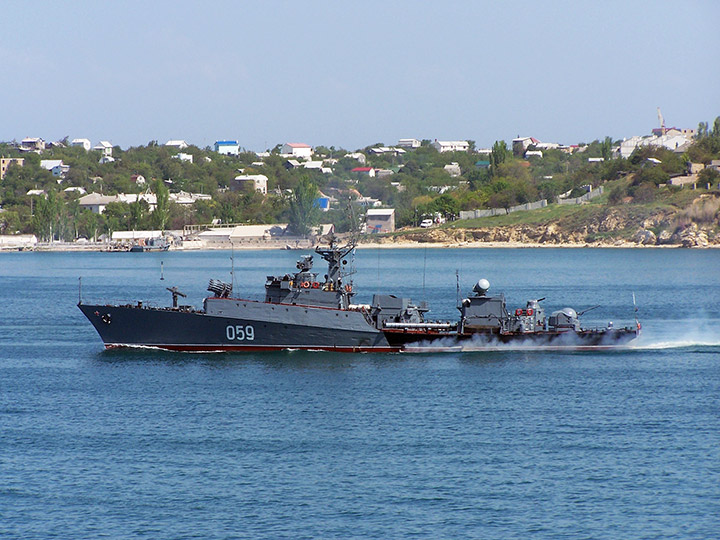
97	202
370	171
379	150
184	157
139	179
106	159
104	147
300	150
85	143
228	148
358	156
32	144
185	198
451	146
521	144
55	166
257	181
453	169
180	145
409	143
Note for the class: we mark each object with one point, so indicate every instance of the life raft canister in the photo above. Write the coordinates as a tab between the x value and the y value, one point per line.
348	288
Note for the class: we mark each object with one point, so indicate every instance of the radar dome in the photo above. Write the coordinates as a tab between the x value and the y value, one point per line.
482	286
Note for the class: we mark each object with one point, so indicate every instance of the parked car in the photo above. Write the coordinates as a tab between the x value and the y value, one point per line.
425	223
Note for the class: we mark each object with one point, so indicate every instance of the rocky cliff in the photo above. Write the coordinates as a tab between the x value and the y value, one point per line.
695	226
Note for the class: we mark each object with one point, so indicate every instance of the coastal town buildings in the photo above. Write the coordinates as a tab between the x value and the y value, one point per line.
55	166
409	143
296	150
85	144
256	182
451	146
380	220
32	144
104	147
6	162
228	148
179	144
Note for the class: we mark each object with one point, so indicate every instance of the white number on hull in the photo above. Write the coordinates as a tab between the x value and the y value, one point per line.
240	333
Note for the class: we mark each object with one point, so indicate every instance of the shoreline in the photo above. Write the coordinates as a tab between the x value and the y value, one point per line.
104	248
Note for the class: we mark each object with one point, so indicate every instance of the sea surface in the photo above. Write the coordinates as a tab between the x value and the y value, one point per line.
473	444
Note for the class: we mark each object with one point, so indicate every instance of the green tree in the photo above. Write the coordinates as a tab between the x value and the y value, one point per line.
498	155
162	207
303	212
606	148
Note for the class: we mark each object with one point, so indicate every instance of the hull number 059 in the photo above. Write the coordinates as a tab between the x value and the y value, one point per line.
240	333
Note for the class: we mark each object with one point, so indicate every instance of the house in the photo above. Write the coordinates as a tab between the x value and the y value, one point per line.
184	198
32	144
379	150
482	164
75	189
97	202
359	156
106	159
180	145
84	143
55	166
228	148
6	162
139	179
521	144
533	153
368	202
104	147
239	234
451	146
380	220
382	173
184	157
676	143
453	169
409	143
323	202
673	131
257	182
300	150
364	170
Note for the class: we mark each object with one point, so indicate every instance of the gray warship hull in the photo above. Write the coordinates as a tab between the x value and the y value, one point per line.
302	311
254	326
245	326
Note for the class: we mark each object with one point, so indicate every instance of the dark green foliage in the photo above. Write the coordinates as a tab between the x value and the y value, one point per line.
303	212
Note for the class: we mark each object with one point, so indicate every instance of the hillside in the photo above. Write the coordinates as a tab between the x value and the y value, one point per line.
198	186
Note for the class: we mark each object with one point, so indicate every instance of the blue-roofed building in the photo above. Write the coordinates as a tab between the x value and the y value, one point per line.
229	148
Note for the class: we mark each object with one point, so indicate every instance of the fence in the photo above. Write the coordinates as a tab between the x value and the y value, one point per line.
579	200
472	214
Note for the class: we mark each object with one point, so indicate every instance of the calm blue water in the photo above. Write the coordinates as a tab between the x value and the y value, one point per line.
505	444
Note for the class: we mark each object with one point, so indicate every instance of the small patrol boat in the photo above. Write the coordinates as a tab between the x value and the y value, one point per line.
304	311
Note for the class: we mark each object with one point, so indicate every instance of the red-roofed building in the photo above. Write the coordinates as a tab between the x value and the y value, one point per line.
364	170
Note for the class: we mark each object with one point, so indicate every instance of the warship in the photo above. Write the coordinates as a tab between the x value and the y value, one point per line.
304	311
